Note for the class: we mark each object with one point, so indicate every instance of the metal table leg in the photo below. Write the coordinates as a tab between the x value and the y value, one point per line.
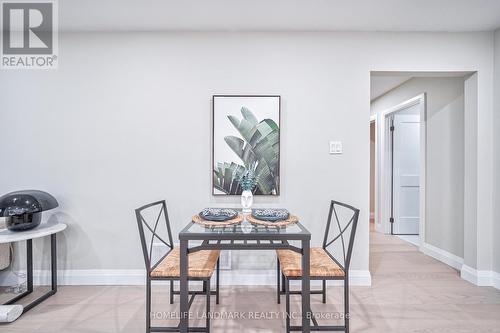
53	261
29	268
306	287
184	306
29	264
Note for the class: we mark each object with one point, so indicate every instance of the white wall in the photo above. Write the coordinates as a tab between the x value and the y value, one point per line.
496	221
471	227
125	120
444	223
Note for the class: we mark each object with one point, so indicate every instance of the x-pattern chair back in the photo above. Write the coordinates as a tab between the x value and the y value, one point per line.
153	228
343	231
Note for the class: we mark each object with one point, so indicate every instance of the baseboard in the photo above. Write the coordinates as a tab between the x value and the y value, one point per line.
442	255
240	277
268	278
469	274
472	275
137	277
480	278
495	280
92	277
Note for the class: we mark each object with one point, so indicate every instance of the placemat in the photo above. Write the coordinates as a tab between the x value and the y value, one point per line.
290	220
200	220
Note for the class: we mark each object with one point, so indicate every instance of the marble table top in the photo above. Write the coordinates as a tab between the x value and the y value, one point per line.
44	229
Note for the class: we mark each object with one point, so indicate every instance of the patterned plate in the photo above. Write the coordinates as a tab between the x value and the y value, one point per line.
218	214
270	214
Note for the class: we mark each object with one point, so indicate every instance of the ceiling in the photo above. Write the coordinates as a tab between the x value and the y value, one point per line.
380	85
279	15
381	82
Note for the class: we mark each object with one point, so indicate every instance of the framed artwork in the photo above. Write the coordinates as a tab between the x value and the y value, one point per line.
246	135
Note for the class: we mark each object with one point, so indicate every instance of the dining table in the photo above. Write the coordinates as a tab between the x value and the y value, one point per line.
244	236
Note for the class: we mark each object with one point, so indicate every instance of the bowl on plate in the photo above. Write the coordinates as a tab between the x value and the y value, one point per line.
218	214
271	214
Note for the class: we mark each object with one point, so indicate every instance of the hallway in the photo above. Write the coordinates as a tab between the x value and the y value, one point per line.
412	292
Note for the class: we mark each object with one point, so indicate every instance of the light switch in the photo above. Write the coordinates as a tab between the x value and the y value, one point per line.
335	147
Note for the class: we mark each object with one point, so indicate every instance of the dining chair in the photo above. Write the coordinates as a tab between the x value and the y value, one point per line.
167	268
324	265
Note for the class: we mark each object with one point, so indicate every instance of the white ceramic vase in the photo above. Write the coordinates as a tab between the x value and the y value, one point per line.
247	201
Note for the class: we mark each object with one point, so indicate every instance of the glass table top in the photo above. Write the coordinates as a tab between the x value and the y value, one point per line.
244	228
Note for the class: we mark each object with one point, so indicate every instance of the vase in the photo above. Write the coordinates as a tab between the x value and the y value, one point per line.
246	226
247	201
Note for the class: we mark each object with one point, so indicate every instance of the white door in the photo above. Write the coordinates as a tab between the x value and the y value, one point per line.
405	171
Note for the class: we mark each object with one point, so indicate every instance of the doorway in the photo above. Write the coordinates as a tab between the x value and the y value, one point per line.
404	158
402	164
421	165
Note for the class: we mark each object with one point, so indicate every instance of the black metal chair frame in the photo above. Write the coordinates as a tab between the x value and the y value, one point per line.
147	250
285	281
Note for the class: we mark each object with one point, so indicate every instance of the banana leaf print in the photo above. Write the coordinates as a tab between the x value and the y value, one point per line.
258	150
225	177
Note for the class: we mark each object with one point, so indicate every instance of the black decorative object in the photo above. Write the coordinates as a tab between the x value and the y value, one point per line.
271	214
23	209
218	214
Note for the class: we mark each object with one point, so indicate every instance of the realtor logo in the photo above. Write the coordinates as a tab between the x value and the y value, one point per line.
29	34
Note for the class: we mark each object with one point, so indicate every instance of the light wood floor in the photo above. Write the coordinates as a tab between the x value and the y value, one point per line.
411	293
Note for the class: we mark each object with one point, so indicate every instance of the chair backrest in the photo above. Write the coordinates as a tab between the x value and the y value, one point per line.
343	232
147	225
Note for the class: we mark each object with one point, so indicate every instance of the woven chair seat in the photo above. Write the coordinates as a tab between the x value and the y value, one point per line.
321	263
201	264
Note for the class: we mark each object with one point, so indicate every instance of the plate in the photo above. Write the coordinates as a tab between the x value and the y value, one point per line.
218	214
271	214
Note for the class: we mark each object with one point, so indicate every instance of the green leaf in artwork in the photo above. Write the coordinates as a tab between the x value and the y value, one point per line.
258	150
248	115
225	177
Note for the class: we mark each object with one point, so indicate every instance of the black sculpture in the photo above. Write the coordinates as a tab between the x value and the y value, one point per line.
23	209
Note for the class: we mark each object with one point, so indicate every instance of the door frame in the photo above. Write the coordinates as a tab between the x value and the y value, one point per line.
376	218
383	164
